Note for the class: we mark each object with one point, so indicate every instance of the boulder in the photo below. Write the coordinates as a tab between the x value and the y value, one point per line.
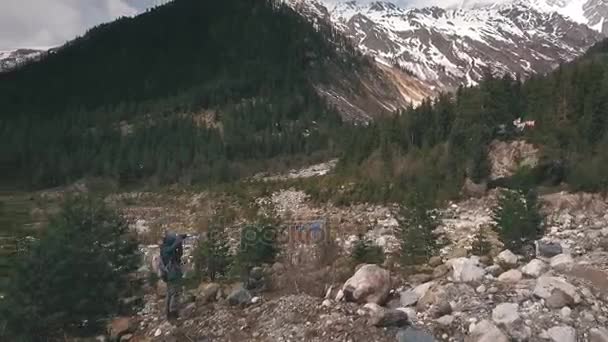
256	273
120	326
562	262
545	286
207	293
414	335
486	331
494	270
466	270
510	277
598	335
389	318
435	261
559	299
548	249
239	296
506	259
562	333
506	314
446	320
420	278
534	268
277	267
442	308
370	284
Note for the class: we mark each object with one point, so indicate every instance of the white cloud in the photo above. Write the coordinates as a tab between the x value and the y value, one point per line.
46	23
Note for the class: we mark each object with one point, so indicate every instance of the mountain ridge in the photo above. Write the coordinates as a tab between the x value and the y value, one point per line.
446	48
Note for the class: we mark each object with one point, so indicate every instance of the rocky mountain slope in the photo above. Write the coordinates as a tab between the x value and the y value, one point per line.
445	48
14	58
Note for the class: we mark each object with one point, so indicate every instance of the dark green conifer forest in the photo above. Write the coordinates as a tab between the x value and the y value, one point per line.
182	91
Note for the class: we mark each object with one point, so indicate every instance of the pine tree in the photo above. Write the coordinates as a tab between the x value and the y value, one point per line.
75	273
481	246
417	223
518	219
212	254
366	252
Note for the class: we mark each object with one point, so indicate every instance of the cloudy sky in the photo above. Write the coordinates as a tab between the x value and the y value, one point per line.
47	23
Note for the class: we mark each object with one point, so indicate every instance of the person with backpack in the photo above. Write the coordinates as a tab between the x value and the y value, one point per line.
171	253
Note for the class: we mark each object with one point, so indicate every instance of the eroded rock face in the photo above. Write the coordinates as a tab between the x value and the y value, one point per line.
370	284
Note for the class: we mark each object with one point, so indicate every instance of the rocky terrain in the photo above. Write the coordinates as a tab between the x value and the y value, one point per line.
14	58
559	295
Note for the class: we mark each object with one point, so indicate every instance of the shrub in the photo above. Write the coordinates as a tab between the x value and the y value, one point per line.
367	252
73	276
517	218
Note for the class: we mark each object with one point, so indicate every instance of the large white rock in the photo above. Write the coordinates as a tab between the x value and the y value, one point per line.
370	284
511	277
486	331
545	286
562	262
562	333
534	268
411	297
506	313
466	270
506	259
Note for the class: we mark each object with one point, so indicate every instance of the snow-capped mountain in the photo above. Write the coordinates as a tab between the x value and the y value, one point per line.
448	47
593	13
14	58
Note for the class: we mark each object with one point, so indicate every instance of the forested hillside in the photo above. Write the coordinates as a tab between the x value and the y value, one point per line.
437	145
181	92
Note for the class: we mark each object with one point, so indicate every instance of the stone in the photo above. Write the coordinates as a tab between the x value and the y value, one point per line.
435	261
481	289
446	320
548	249
327	303
545	286
506	313
126	337
256	300
412	316
466	270
389	318
414	335
120	326
420	278
440	271
534	268
441	308
506	259
239	296
558	300
494	270
598	335
277	267
161	289
370	284
562	333
188	311
562	262
565	313
486	331
207	293
408	298
510	277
